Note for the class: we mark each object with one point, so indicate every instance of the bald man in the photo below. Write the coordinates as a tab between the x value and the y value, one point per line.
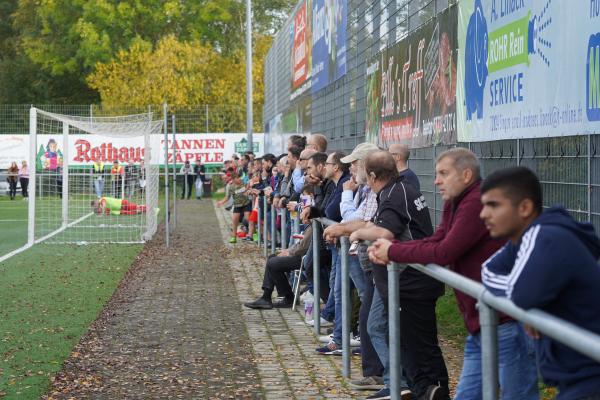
317	142
401	153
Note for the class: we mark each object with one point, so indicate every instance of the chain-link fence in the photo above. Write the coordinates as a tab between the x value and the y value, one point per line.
14	118
568	167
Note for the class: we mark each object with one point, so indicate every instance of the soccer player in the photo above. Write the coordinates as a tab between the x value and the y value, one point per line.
114	206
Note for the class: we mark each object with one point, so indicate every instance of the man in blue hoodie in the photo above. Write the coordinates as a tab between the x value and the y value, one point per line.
549	263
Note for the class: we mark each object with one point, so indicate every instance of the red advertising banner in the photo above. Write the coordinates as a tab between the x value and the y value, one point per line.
300	48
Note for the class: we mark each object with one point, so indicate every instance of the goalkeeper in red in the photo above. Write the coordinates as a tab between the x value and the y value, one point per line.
113	206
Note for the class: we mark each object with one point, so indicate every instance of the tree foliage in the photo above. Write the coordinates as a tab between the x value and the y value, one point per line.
48	48
180	73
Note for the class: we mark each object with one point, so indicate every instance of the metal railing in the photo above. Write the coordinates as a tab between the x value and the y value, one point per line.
489	305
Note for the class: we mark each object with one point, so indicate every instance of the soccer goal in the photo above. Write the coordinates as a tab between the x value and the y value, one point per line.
92	179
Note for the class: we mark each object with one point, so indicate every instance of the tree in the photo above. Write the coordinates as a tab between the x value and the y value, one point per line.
181	74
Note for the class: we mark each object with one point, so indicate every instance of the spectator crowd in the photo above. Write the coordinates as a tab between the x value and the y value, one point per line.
492	230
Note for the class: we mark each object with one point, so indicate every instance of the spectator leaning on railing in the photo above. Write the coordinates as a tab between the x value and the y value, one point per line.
550	263
357	210
403	215
462	243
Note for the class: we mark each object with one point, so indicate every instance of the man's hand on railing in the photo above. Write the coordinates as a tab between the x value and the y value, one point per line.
332	232
378	251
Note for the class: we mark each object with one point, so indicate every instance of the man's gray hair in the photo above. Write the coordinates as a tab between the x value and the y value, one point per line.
462	159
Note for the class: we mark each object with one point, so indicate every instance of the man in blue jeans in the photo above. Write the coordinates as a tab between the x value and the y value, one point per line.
359	204
402	214
462	242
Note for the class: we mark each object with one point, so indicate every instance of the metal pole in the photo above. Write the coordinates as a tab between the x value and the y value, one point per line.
346	307
273	230
284	228
259	220
295	226
394	270
33	176
488	319
166	128
265	231
316	238
65	176
174	172
249	121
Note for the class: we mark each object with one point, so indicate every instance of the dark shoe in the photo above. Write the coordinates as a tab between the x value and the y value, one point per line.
260	304
435	392
383	394
283	303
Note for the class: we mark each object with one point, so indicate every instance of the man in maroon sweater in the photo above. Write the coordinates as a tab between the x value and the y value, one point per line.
462	243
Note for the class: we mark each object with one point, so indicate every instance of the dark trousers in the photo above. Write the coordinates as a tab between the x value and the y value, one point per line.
421	354
12	184
371	365
275	273
186	186
24	186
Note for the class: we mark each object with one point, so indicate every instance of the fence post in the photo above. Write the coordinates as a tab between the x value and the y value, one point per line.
346	307
316	243
258	222
394	270
175	173
296	228
273	230
265	231
284	228
488	319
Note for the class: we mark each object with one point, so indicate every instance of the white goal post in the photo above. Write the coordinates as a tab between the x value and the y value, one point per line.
110	195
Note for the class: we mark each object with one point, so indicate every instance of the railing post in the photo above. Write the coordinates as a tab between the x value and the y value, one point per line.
284	228
258	221
488	319
265	228
394	270
316	239
346	307
273	230
296	228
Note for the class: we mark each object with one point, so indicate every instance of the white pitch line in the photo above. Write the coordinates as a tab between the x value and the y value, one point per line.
59	230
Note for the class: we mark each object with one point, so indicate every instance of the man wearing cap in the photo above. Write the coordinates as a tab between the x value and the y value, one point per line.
358	206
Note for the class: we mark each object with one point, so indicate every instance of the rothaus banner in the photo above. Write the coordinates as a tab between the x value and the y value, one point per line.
84	149
411	87
329	42
301	48
528	69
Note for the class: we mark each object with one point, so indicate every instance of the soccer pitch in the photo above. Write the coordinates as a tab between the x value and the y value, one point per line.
13	224
83	226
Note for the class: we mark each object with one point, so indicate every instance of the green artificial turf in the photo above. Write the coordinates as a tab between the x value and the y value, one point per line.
49	296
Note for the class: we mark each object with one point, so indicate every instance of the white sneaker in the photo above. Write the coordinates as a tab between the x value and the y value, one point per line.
326	338
324	322
355	341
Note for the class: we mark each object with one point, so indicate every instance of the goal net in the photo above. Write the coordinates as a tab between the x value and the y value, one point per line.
92	179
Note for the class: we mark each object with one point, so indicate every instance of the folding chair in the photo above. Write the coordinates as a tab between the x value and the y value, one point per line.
296	282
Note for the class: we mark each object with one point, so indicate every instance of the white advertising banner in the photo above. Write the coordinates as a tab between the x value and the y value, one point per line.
528	69
209	148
